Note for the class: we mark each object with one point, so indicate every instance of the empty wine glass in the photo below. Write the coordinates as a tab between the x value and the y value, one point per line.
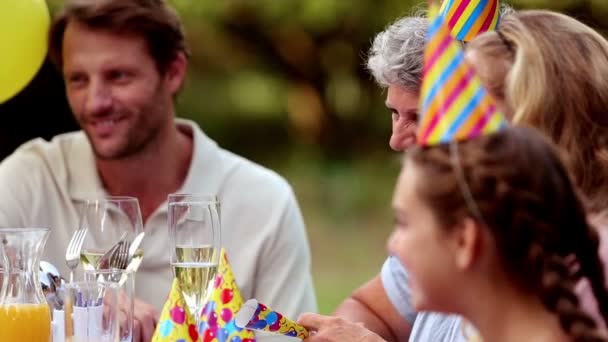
110	220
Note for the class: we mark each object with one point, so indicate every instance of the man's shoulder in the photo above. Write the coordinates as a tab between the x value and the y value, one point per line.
252	175
38	154
59	142
224	172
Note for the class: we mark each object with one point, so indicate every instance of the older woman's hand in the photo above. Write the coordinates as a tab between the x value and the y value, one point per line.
334	329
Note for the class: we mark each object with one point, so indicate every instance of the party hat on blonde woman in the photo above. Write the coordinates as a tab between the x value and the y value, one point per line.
454	104
469	18
218	316
176	323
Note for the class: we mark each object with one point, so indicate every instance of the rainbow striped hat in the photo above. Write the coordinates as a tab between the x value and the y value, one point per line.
468	18
454	105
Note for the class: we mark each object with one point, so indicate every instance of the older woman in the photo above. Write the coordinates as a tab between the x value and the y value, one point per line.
383	304
395	61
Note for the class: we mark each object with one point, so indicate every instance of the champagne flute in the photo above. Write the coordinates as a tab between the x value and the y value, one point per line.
194	230
108	220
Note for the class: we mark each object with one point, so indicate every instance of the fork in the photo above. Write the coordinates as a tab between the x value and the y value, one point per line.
120	259
107	260
72	253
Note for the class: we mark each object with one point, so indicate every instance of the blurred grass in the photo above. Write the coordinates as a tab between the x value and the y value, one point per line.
346	207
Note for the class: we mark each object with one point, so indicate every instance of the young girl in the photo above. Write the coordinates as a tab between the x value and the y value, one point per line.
489	231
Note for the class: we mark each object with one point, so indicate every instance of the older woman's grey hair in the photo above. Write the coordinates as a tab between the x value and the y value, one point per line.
397	54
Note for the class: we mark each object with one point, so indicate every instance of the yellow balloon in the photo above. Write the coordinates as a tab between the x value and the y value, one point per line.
24	26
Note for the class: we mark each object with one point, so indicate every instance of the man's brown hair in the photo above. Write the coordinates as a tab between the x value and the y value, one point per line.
154	20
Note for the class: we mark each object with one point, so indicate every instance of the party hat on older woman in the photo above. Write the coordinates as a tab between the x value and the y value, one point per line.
454	104
469	18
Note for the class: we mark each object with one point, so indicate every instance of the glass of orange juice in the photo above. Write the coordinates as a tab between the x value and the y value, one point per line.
24	313
25	322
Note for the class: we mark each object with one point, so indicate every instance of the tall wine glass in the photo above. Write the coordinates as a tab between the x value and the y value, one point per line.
109	220
194	230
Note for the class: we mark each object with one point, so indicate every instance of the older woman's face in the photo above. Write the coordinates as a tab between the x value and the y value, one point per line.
403	104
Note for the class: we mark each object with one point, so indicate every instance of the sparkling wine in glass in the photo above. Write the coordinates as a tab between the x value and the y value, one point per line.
194	230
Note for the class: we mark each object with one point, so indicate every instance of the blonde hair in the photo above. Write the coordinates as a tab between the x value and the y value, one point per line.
552	73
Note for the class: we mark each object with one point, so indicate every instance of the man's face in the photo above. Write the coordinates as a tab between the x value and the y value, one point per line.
115	91
403	104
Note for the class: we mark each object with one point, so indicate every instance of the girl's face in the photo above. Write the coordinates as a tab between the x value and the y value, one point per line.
426	249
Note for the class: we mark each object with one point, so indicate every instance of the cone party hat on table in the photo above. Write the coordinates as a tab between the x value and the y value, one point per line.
469	18
454	105
257	316
218	316
176	324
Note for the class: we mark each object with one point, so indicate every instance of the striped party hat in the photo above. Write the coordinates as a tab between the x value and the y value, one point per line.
454	105
468	18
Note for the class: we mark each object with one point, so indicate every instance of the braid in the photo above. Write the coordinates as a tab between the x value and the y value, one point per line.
548	252
592	268
557	294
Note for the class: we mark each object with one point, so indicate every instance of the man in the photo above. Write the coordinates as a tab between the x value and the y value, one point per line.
124	62
382	307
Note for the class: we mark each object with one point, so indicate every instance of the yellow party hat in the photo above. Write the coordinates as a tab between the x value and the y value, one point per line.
217	320
176	323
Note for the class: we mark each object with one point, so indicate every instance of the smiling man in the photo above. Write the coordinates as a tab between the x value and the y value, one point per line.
124	62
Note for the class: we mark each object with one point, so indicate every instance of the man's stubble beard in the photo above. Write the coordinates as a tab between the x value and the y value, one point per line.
134	146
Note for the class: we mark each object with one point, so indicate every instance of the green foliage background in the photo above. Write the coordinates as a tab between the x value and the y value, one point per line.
283	82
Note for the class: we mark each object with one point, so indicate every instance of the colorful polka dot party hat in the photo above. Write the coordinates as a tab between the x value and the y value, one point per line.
217	320
176	324
257	316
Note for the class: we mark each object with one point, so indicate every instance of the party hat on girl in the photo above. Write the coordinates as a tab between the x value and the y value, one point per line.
454	104
469	18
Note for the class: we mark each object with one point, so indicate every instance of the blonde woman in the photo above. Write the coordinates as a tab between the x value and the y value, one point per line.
550	72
